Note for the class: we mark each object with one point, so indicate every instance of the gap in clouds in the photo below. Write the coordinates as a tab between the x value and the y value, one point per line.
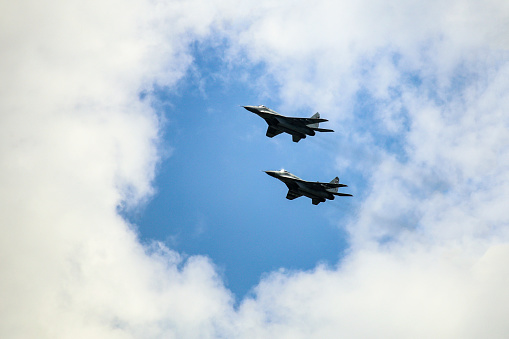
212	197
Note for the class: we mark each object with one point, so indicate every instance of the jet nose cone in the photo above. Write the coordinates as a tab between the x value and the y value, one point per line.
251	108
271	173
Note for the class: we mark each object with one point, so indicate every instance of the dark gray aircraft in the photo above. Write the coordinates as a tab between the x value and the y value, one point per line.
317	191
297	127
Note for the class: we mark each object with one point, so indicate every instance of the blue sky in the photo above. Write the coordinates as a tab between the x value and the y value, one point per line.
213	198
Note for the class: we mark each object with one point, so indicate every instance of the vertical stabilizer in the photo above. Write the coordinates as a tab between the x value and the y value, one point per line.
333	189
314	116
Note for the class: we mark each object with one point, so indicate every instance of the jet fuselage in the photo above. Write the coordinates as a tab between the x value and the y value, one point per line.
301	187
299	128
293	129
314	194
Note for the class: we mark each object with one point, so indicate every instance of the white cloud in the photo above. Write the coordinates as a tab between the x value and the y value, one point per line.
438	210
378	293
75	142
318	51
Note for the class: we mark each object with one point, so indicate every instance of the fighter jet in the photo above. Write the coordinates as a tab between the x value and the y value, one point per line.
317	191
297	127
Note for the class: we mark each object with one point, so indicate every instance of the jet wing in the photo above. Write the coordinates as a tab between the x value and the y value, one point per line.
292	189
305	121
323	185
272	132
292	195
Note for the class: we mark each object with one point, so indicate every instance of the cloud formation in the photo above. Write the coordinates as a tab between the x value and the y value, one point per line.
429	245
76	143
432	233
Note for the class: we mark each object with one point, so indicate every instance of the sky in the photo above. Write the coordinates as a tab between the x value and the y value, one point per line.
133	202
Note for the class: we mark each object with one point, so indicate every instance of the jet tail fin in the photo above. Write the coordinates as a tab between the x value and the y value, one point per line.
314	116
333	189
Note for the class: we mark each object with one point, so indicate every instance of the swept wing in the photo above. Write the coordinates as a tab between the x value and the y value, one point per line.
292	195
272	132
305	121
323	185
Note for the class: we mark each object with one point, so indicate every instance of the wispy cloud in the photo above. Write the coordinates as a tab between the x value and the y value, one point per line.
431	229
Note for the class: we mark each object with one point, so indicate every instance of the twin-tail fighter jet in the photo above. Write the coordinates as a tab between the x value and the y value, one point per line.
299	128
317	191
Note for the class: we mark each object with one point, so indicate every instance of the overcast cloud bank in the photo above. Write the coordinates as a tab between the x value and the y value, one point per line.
429	246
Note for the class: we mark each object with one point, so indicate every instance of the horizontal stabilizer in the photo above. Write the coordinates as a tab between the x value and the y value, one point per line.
321	129
331	186
342	194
